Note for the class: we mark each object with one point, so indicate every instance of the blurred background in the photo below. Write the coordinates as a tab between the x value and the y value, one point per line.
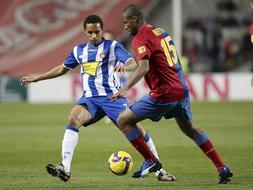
212	37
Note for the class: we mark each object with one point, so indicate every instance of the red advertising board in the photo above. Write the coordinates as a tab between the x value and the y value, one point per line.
37	35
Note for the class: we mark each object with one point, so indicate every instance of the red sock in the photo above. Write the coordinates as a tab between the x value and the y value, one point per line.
211	153
140	145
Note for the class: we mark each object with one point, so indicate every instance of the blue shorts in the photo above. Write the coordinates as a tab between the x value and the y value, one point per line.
100	106
147	108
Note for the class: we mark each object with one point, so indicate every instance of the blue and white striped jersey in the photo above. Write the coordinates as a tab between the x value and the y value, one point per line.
97	66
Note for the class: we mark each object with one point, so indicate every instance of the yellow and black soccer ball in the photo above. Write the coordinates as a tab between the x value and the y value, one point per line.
120	163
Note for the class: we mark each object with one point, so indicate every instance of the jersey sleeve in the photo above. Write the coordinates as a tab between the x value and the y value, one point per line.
121	54
141	50
71	60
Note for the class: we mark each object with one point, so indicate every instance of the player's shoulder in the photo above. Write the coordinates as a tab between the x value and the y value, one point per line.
79	46
116	44
111	43
145	33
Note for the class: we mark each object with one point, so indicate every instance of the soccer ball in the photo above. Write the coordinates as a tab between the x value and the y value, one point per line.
120	163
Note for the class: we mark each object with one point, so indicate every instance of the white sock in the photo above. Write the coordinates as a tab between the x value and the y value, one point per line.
151	145
69	143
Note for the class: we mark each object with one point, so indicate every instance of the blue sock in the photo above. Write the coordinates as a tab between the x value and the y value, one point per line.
201	139
72	128
133	134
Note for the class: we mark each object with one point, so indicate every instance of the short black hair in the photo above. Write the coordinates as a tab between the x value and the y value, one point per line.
93	19
133	10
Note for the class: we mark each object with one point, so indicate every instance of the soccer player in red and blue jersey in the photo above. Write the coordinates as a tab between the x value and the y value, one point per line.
159	63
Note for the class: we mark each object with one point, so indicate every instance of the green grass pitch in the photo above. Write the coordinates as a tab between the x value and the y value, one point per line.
31	135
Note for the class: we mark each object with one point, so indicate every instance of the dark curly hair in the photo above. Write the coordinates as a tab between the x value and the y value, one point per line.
92	19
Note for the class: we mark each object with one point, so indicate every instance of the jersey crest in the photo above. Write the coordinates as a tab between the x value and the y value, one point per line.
141	49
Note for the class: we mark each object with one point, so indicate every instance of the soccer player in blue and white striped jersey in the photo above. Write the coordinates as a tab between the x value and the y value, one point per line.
99	60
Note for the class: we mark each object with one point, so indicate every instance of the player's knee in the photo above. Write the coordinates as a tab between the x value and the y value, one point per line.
78	122
190	131
185	127
73	121
121	121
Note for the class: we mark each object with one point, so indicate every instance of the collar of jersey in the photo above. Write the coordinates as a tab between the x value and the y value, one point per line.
89	44
143	27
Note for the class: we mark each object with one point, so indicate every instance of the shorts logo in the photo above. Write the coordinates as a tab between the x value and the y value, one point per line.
141	49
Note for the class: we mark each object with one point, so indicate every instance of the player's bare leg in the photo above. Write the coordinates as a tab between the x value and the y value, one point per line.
201	139
79	115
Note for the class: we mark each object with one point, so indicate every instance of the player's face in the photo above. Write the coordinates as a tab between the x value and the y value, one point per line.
94	33
130	24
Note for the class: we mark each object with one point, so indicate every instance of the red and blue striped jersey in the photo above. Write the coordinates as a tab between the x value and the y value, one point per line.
165	76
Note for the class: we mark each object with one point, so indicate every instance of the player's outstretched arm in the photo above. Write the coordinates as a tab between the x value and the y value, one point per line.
139	73
142	69
53	73
129	66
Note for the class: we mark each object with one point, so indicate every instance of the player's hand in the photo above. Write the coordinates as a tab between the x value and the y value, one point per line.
120	68
25	81
118	95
